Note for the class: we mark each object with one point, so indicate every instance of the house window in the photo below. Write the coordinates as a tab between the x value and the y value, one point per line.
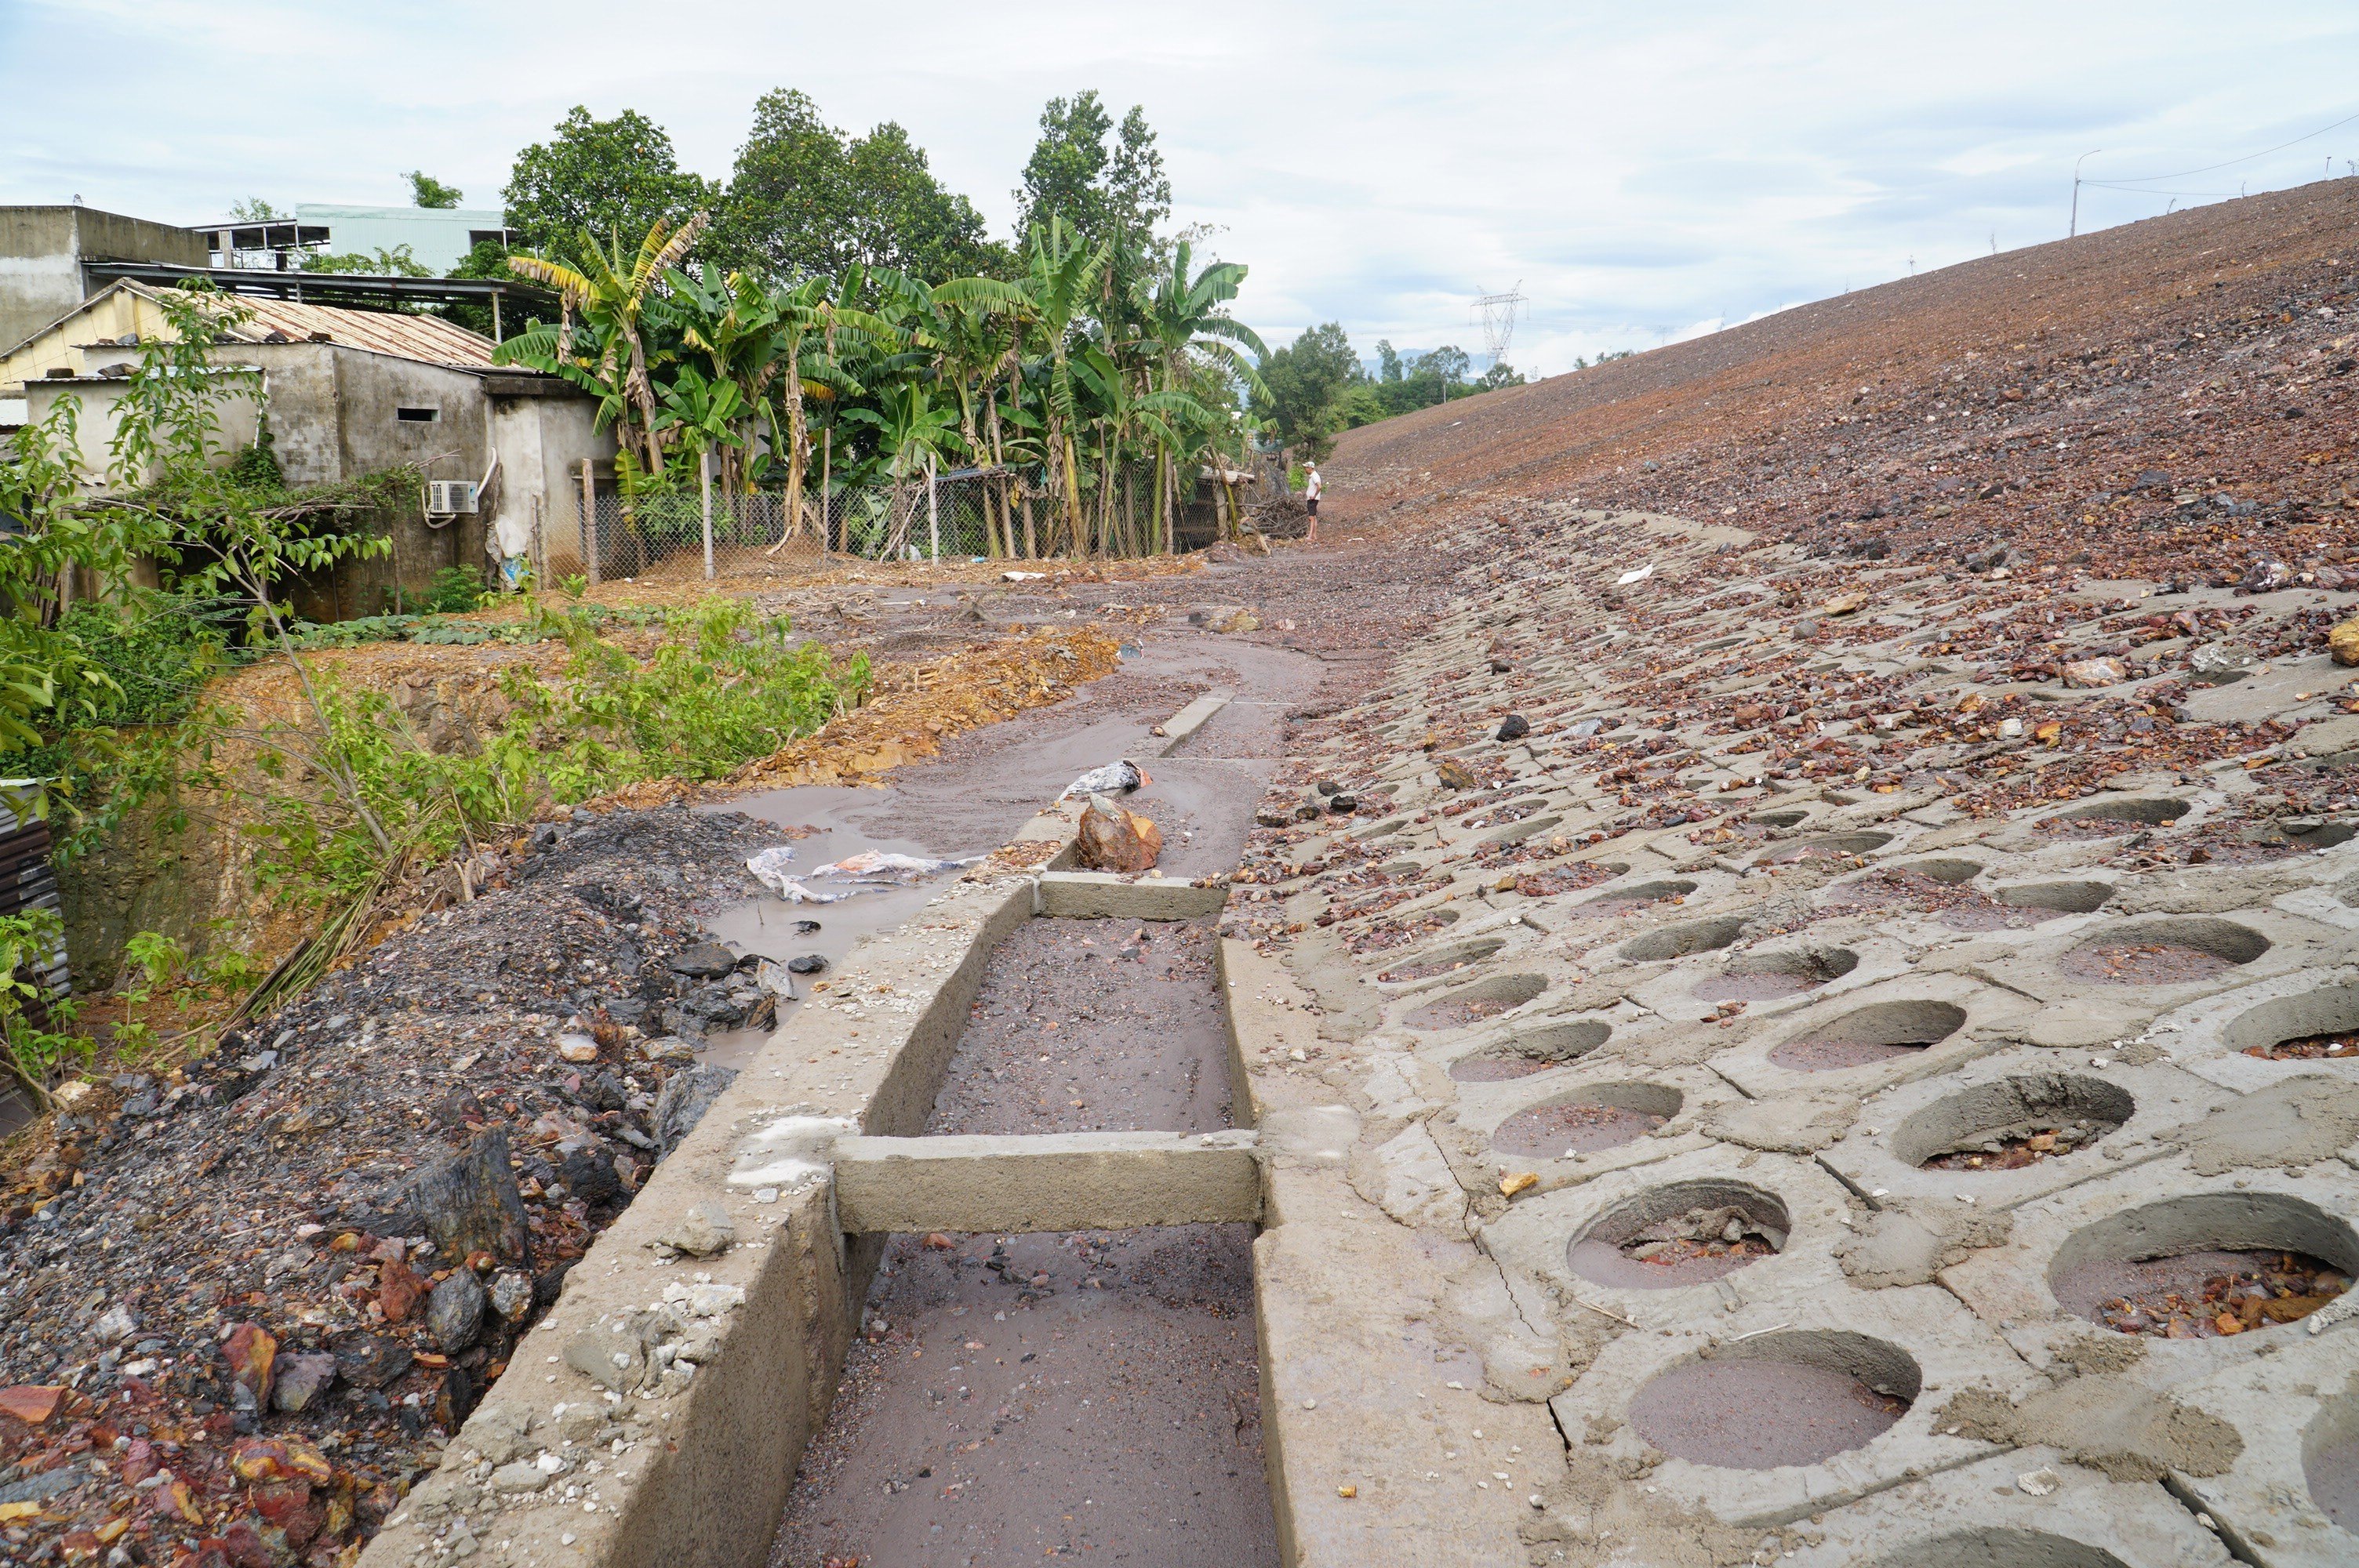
418	416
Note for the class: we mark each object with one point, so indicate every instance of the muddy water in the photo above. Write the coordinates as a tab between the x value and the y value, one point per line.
988	783
1016	1398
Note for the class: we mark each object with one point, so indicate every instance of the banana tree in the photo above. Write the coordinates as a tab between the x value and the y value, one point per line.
1186	323
913	431
1060	274
613	298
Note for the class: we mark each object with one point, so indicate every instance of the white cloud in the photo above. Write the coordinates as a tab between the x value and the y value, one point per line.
1641	171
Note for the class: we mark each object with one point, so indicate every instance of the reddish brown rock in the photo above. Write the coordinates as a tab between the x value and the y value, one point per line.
1115	838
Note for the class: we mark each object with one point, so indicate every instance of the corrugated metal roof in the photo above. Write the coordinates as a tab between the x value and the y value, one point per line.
428	338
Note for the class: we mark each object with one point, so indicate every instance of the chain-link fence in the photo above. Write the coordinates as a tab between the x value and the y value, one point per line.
968	514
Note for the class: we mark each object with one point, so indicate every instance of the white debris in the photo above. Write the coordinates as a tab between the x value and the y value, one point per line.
1115	778
1639	575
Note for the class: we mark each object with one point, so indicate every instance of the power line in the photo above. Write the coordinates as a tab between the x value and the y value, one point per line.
2182	174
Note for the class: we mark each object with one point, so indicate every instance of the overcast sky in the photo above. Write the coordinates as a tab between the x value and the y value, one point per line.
1642	172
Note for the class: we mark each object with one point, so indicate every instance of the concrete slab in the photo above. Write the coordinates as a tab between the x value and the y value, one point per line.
1898	1130
1066	1181
1084	895
1684	1096
1968	1015
1916	1343
2210	1038
1182	727
2037	967
2162	1208
2027	1506
1565	1237
2298	1413
1384	1446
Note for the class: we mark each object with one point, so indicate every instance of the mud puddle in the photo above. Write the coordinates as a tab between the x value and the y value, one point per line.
1752	1414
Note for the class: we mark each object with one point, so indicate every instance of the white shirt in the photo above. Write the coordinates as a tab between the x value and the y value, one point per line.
1312	485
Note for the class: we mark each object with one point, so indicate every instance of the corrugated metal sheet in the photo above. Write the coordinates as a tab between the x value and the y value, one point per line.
428	338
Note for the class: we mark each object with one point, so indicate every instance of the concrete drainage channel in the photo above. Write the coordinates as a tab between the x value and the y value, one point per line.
659	1412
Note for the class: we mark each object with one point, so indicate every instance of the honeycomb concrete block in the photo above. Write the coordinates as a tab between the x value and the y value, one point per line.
2210	1038
2028	1508
2298	1413
1683	1097
2160	1209
2238	948
1472	946
1574	918
1962	1017
1916	1344
1569	1238
1883	1157
1829	960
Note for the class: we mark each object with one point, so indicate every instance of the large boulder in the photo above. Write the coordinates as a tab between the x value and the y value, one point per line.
470	1204
1115	839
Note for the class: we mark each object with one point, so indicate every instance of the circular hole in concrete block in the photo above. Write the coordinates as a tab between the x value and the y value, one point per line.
1681	1233
1945	870
1521	831
1766	977
1443	960
1507	811
1472	1004
1999	1546
2171	952
2191	1267
2013	1122
1777	819
1874	1033
1630	900
2330	1460
1533	1050
2117	816
1680	941
1791	1398
2065	898
1835	847
2315	1025
1599	1116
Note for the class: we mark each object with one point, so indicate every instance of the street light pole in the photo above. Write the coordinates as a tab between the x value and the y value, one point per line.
2075	228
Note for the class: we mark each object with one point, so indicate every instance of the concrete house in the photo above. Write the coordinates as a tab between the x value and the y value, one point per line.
346	393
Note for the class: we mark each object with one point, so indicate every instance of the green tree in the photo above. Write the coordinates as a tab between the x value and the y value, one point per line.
805	198
1303	385
395	263
255	210
606	178
425	190
1106	193
612	294
486	259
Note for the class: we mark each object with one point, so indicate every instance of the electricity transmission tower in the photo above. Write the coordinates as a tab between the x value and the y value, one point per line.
1499	321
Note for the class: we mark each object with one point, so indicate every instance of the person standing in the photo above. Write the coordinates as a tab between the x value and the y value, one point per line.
1312	485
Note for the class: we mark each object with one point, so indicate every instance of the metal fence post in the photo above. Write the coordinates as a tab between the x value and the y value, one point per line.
705	496
933	517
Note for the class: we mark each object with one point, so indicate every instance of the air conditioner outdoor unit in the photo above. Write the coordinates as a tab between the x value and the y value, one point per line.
449	497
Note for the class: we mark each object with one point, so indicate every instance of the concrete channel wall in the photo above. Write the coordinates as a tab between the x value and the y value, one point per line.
658	1414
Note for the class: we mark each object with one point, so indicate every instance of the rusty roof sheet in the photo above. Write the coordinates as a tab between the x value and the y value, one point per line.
428	338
